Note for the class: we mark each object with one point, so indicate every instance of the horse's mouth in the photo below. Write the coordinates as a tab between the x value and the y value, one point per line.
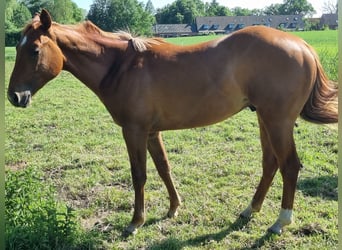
20	99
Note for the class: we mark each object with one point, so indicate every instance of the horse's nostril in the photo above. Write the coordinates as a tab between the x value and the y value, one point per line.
27	100
13	97
16	98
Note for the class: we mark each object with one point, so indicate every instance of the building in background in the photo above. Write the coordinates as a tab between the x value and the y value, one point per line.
228	24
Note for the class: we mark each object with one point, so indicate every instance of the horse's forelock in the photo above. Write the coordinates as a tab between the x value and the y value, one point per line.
29	26
33	24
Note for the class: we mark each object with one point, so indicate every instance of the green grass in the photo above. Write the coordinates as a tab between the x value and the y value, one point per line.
68	183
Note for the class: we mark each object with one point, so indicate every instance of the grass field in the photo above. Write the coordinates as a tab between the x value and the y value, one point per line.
68	183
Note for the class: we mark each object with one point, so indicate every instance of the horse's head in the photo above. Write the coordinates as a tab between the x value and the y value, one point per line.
38	60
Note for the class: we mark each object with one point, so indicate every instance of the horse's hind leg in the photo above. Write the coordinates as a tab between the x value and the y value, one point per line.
157	151
270	166
289	166
280	136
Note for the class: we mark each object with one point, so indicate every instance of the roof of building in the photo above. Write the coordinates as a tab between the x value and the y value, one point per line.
329	19
230	23
227	24
174	28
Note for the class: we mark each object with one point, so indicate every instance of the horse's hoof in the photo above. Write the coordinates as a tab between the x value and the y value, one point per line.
130	230
172	214
276	228
247	213
284	219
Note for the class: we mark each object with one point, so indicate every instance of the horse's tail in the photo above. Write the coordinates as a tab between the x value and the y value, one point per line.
322	105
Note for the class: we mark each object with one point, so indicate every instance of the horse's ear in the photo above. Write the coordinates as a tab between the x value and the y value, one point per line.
45	19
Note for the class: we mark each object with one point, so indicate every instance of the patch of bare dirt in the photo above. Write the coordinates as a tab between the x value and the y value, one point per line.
20	165
310	229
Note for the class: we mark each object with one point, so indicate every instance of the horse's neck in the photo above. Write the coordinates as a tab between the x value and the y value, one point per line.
87	56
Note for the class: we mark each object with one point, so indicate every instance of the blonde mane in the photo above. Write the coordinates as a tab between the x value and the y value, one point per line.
140	44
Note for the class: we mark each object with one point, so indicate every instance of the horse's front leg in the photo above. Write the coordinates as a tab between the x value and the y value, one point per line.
156	148
136	142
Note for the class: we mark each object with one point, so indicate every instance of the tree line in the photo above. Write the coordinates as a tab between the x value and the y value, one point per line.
19	12
132	15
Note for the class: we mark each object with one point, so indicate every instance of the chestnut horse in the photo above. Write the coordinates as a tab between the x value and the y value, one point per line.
149	85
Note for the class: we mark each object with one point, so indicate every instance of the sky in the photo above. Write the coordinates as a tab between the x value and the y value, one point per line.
256	4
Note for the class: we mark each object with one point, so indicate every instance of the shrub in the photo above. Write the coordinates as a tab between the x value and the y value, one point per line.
12	37
34	219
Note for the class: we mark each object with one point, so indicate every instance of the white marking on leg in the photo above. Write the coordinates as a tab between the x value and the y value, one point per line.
23	41
285	218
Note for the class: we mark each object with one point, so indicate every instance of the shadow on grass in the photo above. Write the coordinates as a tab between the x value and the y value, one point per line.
324	187
173	243
266	238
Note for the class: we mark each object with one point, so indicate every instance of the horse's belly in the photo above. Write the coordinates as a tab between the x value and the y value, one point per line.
201	112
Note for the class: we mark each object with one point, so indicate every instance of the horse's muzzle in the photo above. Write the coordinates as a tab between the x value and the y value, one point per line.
20	99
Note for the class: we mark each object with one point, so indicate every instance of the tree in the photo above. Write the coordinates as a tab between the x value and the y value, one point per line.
330	7
20	12
16	15
238	11
273	9
215	9
9	7
98	13
78	14
62	11
21	16
181	11
112	15
36	5
296	7
290	7
149	8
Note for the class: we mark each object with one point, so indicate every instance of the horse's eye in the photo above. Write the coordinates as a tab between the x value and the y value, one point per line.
36	51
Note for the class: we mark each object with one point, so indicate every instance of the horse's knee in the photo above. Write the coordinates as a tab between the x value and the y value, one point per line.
139	179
